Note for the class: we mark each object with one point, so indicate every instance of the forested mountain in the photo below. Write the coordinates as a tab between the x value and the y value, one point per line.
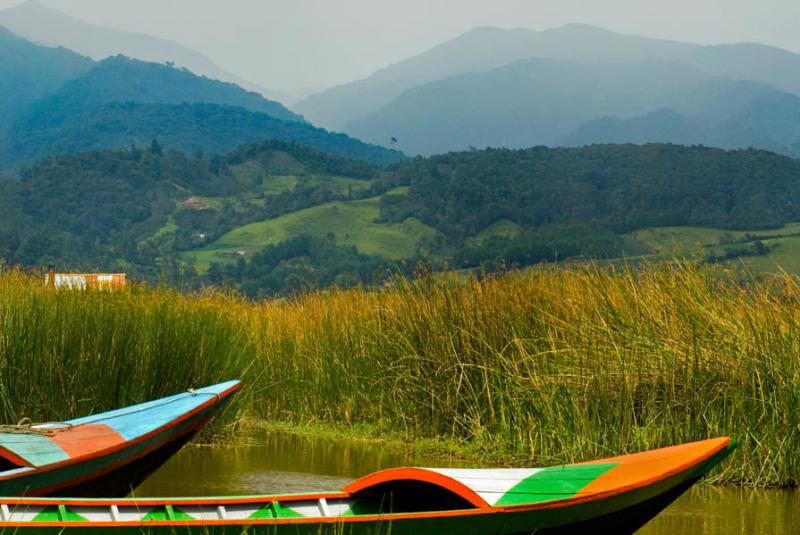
275	217
121	79
485	48
41	24
28	72
208	128
558	103
121	102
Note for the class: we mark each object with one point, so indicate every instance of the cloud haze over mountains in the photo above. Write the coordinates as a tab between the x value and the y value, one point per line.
293	47
38	23
568	86
573	85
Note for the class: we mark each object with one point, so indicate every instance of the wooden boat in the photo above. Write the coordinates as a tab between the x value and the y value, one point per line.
106	454
616	495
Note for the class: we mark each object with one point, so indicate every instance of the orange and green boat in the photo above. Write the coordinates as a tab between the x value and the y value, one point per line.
616	495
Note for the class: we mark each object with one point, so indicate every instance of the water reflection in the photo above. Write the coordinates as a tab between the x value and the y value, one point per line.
278	463
717	510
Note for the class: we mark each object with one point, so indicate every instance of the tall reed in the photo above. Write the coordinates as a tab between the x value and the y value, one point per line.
551	365
65	353
541	366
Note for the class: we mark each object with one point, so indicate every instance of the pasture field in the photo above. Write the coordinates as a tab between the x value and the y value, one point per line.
350	222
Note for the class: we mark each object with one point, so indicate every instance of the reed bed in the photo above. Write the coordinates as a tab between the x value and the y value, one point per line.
67	353
541	366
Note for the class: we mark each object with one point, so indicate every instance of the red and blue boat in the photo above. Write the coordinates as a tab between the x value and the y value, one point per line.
616	495
106	454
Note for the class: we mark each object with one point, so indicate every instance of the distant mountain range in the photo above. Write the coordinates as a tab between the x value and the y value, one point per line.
515	88
41	24
569	103
53	101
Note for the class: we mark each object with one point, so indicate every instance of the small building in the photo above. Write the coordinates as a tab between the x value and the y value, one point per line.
86	281
194	203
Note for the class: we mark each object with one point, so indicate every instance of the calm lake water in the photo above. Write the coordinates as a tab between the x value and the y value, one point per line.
277	463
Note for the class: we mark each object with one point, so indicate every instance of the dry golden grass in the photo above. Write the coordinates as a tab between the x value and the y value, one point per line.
545	365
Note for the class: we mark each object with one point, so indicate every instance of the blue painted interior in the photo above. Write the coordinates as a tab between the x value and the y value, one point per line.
130	422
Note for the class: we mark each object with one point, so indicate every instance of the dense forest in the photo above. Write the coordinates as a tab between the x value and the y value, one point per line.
211	128
568	202
136	209
143	209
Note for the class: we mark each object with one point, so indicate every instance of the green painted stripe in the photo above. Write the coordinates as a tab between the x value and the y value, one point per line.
264	512
275	510
58	514
166	512
554	483
286	512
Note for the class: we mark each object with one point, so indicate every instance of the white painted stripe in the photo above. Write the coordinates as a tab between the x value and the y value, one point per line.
323	507
488	483
339	507
93	514
199	512
132	514
242	511
24	513
305	508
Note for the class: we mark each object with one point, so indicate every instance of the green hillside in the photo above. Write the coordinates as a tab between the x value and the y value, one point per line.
347	222
273	217
771	250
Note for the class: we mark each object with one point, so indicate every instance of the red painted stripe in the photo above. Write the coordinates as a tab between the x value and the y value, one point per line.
14	458
87	439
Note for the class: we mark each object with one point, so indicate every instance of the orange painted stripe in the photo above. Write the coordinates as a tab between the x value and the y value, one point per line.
87	439
640	469
14	458
417	474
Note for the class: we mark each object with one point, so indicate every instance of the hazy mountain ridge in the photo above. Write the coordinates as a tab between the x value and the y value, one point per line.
479	49
561	102
482	51
28	72
122	79
41	24
121	101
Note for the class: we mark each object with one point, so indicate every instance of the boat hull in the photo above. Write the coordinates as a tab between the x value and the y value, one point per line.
118	475
620	510
116	471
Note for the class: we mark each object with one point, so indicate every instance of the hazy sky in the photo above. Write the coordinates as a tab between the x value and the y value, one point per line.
291	44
